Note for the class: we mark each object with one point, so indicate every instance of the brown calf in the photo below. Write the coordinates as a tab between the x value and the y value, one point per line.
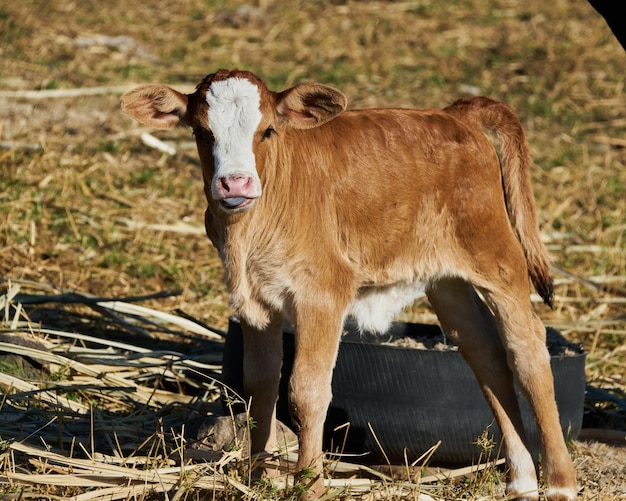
319	213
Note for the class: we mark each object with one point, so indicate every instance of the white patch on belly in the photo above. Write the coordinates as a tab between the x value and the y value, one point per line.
375	308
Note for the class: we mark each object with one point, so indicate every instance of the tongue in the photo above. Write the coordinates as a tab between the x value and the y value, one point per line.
234	201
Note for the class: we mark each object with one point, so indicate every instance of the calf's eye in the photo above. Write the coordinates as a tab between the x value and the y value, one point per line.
268	132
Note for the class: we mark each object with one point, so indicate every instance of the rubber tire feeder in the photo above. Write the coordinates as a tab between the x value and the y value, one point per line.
412	398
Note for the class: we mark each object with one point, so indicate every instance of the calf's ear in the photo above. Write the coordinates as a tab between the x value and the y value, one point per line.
309	105
156	105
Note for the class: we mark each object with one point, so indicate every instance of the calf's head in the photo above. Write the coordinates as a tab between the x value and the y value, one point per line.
235	119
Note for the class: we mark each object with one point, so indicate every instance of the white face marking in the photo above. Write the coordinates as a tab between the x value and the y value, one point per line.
234	115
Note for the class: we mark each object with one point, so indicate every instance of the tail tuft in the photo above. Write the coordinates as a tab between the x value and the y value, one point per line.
545	288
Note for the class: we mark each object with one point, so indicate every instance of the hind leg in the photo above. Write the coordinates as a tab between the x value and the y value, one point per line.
466	319
523	336
510	345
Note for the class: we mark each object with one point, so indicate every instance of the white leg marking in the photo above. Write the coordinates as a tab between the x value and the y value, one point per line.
523	487
561	492
523	481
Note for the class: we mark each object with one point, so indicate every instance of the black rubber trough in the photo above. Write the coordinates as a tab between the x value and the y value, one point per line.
412	397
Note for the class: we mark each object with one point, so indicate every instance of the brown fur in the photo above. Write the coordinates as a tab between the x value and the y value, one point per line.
360	202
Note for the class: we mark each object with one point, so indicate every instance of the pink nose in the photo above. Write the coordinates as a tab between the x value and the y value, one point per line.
236	186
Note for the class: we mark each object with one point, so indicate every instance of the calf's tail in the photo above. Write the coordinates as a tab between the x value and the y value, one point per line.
515	163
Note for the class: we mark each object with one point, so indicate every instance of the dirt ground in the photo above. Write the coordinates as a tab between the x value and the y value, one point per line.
86	205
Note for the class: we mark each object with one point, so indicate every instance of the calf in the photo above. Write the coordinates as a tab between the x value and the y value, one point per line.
319	213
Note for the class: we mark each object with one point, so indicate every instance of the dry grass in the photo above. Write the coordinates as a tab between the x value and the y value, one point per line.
87	206
100	407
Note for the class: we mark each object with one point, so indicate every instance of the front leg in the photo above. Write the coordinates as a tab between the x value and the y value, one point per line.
317	342
262	360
